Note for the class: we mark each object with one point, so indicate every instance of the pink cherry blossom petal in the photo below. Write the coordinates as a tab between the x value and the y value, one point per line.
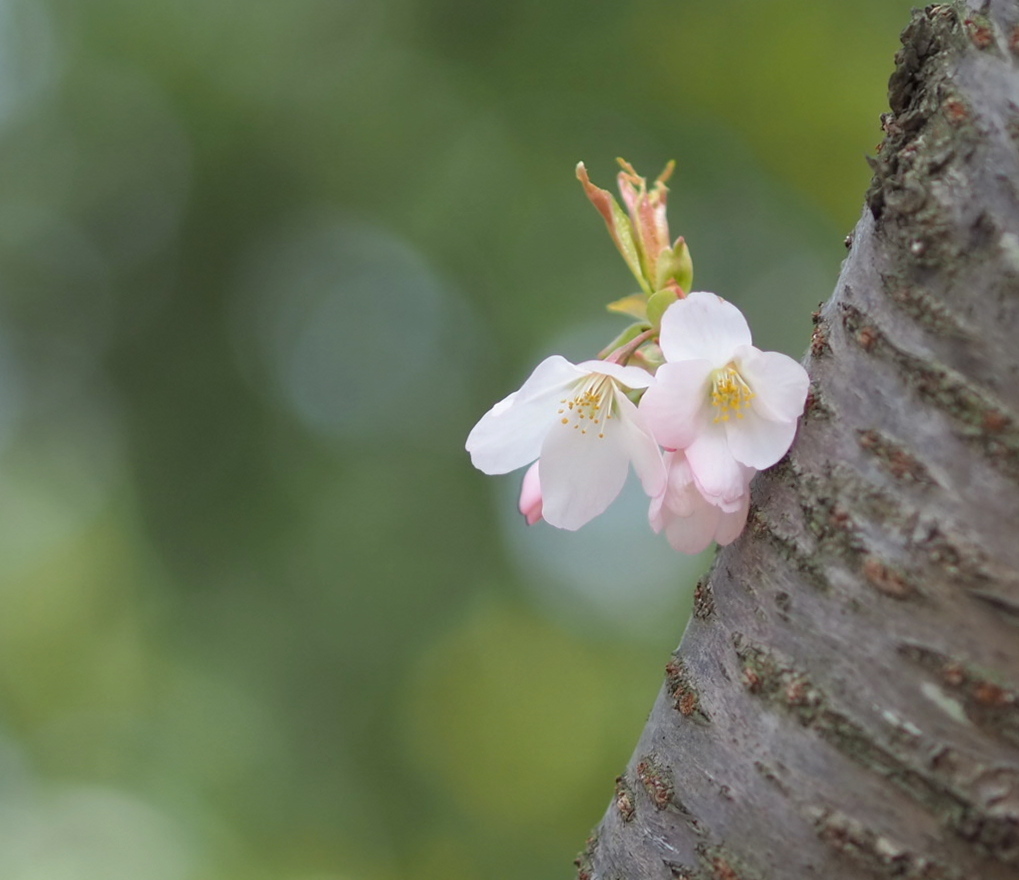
779	383
730	525
758	442
734	504
703	327
717	474
676	406
657	512
681	496
689	520
693	534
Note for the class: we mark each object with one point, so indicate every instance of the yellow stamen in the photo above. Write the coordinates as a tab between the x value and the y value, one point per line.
730	394
593	401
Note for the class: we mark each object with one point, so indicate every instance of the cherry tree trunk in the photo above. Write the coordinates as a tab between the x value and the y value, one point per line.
845	700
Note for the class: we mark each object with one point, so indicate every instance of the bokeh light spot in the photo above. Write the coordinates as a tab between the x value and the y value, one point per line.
350	321
90	833
509	715
28	53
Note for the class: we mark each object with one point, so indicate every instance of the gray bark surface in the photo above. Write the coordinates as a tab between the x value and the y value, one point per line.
845	700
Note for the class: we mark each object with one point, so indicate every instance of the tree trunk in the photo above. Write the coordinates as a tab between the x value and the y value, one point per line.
844	701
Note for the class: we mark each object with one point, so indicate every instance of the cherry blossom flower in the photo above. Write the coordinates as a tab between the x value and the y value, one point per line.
578	421
719	407
689	520
530	496
725	403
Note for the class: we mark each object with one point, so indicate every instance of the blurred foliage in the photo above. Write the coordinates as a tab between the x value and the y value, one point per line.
262	265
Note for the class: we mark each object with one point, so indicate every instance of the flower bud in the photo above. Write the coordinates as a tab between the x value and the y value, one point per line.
530	496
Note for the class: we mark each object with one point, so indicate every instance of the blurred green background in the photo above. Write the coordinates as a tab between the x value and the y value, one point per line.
262	266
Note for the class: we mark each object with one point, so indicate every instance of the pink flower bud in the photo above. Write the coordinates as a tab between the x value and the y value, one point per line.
530	495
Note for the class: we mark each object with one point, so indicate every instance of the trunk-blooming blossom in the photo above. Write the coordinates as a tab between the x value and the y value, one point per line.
689	520
579	423
684	377
725	403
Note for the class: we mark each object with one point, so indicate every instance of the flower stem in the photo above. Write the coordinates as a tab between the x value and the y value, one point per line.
622	354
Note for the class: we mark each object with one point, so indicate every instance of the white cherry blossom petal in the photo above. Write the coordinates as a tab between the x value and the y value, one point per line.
584	431
751	400
631	377
581	474
758	442
676	406
703	327
779	383
641	445
510	434
553	372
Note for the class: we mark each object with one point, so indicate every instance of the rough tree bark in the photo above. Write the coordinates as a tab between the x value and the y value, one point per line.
845	701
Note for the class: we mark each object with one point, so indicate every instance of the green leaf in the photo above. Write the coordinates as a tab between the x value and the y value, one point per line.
657	305
634	305
675	264
618	224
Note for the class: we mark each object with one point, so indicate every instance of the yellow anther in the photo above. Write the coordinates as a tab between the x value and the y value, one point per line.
730	394
593	402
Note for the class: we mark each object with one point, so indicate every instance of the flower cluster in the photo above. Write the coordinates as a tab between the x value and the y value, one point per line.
681	395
